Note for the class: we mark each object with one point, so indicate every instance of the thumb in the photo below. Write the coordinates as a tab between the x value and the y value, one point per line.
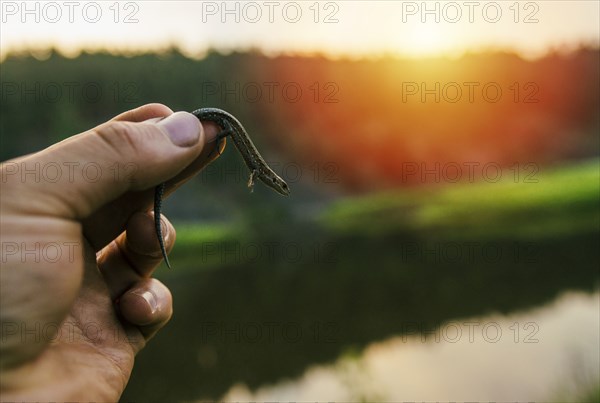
75	177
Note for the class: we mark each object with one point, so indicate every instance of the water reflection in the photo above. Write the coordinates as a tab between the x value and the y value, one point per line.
547	353
260	324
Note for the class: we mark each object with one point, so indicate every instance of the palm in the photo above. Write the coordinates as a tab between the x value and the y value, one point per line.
92	346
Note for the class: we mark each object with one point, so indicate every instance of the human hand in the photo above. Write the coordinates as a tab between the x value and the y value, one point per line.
78	251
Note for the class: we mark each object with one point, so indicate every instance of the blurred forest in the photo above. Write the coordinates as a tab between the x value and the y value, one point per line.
336	126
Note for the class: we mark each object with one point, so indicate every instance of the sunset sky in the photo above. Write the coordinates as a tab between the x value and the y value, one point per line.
354	28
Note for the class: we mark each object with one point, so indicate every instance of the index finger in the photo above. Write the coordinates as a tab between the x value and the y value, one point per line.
143	113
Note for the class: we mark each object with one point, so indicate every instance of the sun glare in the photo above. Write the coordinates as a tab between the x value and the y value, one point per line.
425	40
359	28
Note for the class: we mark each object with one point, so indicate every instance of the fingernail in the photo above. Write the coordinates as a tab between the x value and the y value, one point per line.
210	133
149	298
183	128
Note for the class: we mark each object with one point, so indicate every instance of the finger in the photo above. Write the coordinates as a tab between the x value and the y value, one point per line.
144	113
212	150
157	111
106	223
155	152
147	305
135	254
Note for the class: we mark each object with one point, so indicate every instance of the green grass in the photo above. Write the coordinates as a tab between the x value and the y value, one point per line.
192	241
191	235
564	200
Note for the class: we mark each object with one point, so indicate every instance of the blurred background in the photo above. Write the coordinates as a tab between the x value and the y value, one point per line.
441	240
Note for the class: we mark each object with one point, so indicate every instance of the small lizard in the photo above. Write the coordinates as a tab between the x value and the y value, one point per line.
259	169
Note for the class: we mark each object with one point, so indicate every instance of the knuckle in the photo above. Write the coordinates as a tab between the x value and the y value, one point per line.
121	137
129	139
166	297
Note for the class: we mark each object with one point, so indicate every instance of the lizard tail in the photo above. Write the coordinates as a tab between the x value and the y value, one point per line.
158	194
